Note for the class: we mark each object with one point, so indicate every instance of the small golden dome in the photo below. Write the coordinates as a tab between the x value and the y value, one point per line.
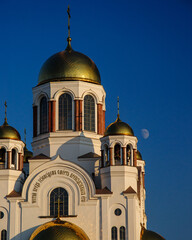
58	230
8	132
150	235
139	156
27	154
69	65
118	128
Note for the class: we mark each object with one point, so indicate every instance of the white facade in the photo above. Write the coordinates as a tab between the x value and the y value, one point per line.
100	197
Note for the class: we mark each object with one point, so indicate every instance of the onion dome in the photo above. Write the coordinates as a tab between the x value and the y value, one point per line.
57	230
69	65
138	155
150	235
119	128
27	154
8	132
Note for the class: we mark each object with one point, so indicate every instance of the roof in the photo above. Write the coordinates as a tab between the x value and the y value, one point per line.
40	156
14	194
129	190
90	155
105	190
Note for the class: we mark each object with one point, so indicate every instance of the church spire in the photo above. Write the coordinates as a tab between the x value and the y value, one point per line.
69	48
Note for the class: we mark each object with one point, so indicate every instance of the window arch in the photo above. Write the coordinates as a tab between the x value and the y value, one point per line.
3	234
2	157
65	112
59	196
122	233
89	113
43	115
128	155
117	154
113	233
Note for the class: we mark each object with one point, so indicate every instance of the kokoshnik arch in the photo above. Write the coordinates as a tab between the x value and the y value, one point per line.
82	181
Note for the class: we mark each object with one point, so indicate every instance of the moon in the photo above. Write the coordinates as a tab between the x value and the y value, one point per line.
144	133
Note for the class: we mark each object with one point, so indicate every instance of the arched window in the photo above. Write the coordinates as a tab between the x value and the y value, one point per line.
89	113
2	158
122	233
65	112
117	154
14	159
3	234
128	155
59	195
106	156
43	115
113	233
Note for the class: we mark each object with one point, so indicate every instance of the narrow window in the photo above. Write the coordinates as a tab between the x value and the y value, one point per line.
3	234
89	113
122	233
117	154
128	155
59	196
14	159
65	112
2	158
106	156
43	115
113	233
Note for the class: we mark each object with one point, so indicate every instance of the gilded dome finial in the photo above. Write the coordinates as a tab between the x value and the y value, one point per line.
5	122
69	48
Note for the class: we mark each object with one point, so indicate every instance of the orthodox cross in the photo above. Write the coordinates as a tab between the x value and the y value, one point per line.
118	107
69	16
5	112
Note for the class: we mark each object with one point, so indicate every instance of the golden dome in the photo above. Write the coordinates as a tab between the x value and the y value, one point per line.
139	156
27	154
58	230
150	235
69	65
118	128
8	132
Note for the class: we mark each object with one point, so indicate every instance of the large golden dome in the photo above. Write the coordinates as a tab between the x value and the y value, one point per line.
119	128
8	132
150	235
58	230
69	65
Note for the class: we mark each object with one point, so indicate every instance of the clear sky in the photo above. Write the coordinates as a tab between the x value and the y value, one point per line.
143	50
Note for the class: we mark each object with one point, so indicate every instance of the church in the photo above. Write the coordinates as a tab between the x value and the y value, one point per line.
83	180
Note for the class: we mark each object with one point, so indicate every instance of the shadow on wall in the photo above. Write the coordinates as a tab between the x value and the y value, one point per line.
25	235
76	147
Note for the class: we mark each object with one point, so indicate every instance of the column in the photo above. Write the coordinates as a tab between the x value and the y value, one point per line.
20	161
78	115
99	118
8	159
103	125
34	121
111	156
51	116
124	155
134	158
105	214
102	158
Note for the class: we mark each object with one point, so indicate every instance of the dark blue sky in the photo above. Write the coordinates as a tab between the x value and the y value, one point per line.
144	53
